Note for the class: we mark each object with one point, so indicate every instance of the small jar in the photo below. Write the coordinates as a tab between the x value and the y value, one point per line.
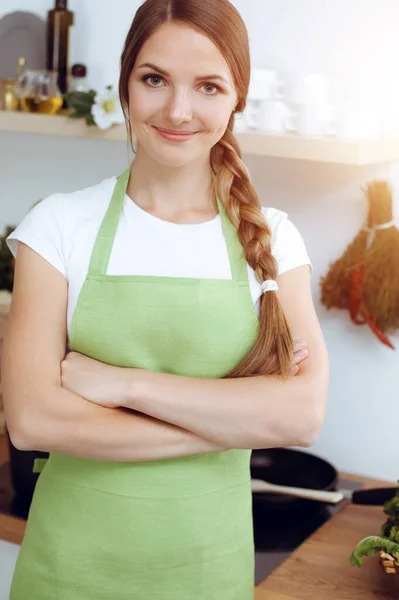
78	81
9	98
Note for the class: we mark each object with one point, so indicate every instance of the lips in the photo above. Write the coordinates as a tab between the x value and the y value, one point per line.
175	135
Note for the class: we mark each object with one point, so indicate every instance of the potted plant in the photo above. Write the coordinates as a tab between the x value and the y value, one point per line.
385	545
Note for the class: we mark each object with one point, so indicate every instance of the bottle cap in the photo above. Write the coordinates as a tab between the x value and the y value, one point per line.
79	70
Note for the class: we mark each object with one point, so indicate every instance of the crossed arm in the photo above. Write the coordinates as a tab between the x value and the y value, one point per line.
80	409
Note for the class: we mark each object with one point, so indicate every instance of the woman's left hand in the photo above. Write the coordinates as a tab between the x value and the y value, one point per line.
96	381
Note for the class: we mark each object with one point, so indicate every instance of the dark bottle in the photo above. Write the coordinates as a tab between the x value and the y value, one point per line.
78	79
59	21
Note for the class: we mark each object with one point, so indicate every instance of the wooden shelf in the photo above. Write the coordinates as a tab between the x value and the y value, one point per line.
325	150
21	122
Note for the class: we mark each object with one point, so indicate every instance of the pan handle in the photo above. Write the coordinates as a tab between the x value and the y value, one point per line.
258	485
373	496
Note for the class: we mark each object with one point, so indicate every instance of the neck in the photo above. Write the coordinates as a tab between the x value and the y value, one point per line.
180	194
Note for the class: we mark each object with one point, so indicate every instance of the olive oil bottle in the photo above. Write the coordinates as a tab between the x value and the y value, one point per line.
59	22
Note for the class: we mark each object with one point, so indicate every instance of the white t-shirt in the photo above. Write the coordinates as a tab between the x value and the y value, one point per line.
63	228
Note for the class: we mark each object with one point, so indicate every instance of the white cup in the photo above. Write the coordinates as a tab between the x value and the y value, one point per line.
251	114
264	84
318	88
240	122
275	117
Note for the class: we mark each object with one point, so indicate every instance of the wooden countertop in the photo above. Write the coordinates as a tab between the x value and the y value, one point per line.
319	569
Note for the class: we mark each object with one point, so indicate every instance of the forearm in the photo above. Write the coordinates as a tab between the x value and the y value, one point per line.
69	424
252	412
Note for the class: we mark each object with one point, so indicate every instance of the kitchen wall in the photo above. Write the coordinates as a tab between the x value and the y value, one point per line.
324	201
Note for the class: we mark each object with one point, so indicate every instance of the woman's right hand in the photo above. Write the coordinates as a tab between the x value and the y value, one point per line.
300	354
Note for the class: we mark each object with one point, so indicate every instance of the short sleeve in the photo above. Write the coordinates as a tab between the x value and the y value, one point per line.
42	230
288	246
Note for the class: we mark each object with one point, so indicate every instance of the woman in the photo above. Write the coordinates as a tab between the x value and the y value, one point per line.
164	284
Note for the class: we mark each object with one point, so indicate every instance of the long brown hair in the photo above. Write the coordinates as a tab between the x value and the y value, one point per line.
223	25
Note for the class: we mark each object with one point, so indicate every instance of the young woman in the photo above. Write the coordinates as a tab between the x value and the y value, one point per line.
178	298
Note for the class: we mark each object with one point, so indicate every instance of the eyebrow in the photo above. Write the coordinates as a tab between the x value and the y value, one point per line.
166	74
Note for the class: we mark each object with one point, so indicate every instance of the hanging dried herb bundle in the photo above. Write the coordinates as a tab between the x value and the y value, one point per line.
365	279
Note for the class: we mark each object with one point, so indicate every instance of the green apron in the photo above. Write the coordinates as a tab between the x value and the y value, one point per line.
175	529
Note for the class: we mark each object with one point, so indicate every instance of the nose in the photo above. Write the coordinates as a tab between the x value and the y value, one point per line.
179	107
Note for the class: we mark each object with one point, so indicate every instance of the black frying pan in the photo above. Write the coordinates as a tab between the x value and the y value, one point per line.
278	465
295	468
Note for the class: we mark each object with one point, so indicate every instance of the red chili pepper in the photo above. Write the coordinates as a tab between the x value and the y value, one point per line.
356	308
375	329
355	295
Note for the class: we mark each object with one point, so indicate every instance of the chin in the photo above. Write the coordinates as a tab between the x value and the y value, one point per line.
177	157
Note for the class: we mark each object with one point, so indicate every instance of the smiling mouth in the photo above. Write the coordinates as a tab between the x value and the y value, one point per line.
175	135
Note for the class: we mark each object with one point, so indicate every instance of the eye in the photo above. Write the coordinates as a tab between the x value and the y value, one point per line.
153	80
210	89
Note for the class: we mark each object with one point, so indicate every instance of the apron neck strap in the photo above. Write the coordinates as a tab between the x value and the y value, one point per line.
106	235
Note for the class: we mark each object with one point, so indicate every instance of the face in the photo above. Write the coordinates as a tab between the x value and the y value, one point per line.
181	95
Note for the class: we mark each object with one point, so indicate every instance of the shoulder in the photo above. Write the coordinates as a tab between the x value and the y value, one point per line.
53	222
96	193
79	201
63	210
283	230
60	206
288	246
274	218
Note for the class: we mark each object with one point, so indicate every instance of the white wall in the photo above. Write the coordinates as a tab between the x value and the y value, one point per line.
324	201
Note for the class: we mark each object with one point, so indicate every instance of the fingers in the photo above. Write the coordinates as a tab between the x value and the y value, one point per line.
294	370
300	354
300	345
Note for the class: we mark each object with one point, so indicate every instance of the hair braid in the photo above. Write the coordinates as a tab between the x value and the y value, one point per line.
272	352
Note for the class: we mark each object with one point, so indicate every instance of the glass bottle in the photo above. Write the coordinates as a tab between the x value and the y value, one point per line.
41	93
59	22
79	80
8	96
20	67
19	78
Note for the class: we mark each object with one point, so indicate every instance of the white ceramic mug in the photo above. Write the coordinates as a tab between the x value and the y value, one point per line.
264	84
275	117
318	88
240	122
251	114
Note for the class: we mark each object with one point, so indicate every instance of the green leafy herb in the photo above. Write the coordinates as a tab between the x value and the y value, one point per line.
387	542
80	104
372	545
